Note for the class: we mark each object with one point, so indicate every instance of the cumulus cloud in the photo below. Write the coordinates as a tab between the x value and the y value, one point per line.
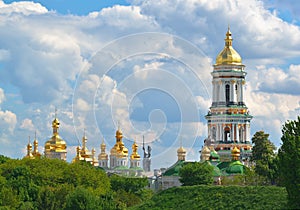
25	8
2	95
287	82
8	121
27	124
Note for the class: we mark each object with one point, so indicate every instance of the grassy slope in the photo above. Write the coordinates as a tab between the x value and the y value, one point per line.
218	197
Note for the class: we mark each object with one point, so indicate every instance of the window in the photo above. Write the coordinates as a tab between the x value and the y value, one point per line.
227	93
241	134
227	134
213	133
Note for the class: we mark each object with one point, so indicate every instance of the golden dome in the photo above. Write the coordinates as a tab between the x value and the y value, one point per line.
119	134
235	150
205	150
235	153
181	150
55	123
135	154
228	55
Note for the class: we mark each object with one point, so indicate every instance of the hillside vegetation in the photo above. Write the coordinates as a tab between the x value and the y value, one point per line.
218	197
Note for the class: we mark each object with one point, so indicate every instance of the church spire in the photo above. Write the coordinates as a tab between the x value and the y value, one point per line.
29	148
35	152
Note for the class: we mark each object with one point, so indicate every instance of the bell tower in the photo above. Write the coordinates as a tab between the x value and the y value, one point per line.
228	119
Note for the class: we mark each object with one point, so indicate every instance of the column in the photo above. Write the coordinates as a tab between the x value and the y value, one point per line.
248	132
241	98
233	93
238	140
222	91
214	91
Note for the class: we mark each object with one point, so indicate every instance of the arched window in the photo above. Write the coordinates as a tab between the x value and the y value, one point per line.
227	94
214	133
227	134
241	134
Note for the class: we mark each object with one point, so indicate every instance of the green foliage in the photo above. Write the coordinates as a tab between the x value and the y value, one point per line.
82	199
218	197
129	191
196	173
289	161
264	157
55	184
131	185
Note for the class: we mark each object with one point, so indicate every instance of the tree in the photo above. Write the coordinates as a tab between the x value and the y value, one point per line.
289	161
264	157
82	199
196	173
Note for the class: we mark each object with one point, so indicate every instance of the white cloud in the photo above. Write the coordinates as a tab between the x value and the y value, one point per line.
27	124
2	95
8	121
25	8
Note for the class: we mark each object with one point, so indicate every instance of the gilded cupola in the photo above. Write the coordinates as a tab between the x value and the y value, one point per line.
103	155
36	152
29	148
135	155
235	153
205	153
56	147
228	55
181	153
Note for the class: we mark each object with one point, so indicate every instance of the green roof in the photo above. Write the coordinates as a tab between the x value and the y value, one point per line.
136	169
235	167
216	171
120	168
174	169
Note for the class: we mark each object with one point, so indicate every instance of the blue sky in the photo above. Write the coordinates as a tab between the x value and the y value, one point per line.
76	7
144	65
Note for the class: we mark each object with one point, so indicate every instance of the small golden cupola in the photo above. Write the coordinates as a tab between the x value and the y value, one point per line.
181	153
56	147
205	153
36	152
235	153
29	148
78	157
135	155
103	157
228	55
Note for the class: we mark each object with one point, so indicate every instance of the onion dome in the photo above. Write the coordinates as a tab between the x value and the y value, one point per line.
181	152
119	134
55	123
214	156
55	143
78	155
29	148
135	155
235	167
205	153
103	155
228	55
235	153
113	150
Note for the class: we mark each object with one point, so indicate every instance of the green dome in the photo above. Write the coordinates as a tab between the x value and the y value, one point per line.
216	171
235	167
214	156
174	169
